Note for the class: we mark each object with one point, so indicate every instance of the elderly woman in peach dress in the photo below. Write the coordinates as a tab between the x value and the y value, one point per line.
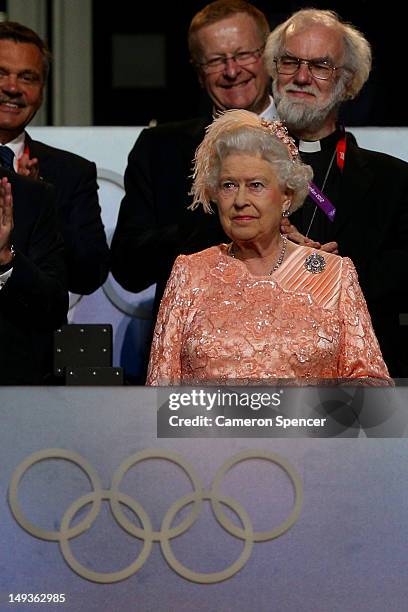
260	308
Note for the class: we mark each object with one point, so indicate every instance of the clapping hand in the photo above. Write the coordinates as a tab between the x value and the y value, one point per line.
28	167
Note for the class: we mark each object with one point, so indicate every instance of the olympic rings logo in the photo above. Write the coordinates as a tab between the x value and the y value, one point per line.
146	533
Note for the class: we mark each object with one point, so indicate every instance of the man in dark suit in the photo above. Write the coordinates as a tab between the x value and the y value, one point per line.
33	298
24	61
226	41
316	63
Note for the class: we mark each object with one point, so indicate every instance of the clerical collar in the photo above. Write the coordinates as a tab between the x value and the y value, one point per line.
306	146
314	146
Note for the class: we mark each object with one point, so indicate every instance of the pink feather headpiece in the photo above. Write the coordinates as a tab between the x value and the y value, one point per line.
230	121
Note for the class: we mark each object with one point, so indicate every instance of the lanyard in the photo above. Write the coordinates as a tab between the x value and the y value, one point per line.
316	194
341	152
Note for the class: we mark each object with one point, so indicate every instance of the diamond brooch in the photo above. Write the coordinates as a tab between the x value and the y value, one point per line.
315	263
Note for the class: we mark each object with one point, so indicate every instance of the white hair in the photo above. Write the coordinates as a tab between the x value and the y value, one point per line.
357	50
251	139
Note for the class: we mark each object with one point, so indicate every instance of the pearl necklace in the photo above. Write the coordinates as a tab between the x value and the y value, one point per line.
278	261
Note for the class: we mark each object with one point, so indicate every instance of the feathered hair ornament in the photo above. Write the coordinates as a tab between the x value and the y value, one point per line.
229	121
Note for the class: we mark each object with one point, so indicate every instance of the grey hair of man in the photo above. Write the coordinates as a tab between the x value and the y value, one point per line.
291	174
357	58
19	33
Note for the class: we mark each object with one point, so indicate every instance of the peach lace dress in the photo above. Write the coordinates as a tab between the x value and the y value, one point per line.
220	324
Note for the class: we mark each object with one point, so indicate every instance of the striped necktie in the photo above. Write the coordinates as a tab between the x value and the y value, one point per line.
6	157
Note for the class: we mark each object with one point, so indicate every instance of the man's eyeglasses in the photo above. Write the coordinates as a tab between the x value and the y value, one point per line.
319	69
242	58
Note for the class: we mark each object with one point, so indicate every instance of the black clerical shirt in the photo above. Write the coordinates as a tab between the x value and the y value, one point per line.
310	219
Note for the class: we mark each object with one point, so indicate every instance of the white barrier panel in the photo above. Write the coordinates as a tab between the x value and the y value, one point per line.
99	514
108	147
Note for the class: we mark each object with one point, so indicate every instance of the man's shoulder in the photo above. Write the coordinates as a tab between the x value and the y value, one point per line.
47	153
189	128
376	159
169	143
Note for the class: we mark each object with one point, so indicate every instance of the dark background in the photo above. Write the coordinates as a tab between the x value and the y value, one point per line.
135	41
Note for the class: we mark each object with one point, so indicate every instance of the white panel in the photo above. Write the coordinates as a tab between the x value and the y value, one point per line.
108	147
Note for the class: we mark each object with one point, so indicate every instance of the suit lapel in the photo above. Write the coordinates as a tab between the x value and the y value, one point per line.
36	149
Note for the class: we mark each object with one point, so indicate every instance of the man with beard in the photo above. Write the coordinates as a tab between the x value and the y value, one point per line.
317	62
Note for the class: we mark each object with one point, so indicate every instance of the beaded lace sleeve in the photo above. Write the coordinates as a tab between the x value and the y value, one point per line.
165	356
360	355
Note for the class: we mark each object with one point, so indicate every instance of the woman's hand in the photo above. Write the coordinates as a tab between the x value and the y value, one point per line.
6	221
